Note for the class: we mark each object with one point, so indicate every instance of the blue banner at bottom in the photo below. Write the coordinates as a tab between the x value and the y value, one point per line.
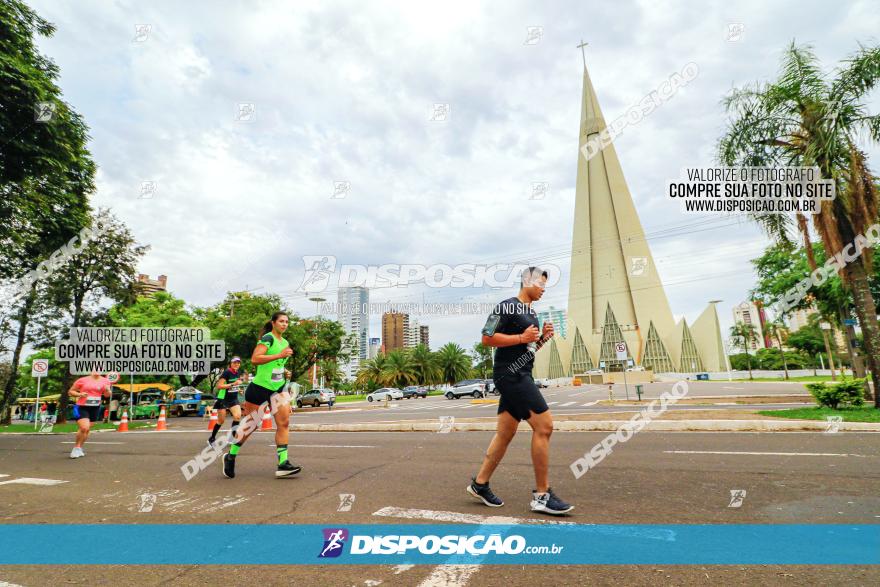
557	544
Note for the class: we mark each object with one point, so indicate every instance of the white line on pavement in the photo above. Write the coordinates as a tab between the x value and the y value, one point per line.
778	454
93	442
32	481
552	403
567	404
450	576
328	445
441	516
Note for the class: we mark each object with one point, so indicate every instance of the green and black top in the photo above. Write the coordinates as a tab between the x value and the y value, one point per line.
271	375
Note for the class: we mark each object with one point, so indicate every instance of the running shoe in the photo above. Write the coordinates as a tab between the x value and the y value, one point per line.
228	466
210	442
549	503
77	452
484	494
286	469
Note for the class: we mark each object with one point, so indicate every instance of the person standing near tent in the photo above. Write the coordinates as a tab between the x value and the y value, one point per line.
88	391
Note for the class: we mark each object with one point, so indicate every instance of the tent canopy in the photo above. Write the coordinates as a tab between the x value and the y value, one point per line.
142	387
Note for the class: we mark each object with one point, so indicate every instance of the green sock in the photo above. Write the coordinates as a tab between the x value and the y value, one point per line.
281	449
233	450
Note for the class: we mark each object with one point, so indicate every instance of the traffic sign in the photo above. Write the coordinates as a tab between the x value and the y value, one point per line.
620	349
113	376
40	368
849	321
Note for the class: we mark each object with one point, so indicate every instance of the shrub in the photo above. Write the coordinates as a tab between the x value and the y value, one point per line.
846	394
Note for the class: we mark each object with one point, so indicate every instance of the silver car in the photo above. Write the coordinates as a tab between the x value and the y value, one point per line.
386	392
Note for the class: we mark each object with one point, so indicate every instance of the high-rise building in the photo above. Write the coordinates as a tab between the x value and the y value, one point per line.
557	317
751	313
352	308
147	287
615	294
394	328
412	334
423	336
375	348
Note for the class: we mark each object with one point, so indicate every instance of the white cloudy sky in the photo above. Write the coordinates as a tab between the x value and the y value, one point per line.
343	92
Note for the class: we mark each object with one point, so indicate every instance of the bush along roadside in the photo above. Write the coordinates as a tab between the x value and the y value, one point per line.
846	394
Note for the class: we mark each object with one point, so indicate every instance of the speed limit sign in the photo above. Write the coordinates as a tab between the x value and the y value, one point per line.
40	368
113	376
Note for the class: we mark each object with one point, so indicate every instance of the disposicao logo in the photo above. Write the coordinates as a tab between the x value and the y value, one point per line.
334	541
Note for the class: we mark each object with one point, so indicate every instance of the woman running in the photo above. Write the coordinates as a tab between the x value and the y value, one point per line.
269	357
88	392
227	399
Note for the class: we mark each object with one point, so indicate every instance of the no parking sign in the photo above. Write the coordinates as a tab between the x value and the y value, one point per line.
620	350
40	368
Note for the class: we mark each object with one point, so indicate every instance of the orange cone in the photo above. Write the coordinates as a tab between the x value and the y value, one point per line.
160	425
213	420
123	426
267	420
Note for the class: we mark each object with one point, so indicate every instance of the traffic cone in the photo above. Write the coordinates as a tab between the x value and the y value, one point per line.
212	421
267	420
160	425
123	426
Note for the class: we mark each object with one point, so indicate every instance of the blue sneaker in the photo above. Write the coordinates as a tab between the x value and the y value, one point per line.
484	494
549	503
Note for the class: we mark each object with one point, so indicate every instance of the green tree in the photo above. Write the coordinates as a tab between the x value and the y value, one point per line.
743	335
371	374
454	363
805	118
398	370
46	171
776	330
104	268
482	360
424	365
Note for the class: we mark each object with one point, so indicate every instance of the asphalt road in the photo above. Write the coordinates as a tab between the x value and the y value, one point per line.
654	478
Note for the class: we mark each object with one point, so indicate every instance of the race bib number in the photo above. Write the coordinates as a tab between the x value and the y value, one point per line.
278	374
93	400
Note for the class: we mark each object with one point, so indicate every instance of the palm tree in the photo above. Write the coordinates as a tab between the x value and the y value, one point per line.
454	363
371	373
398	370
424	364
744	335
775	329
807	119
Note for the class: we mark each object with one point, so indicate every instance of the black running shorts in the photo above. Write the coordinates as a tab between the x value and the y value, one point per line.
227	402
257	394
520	396
91	413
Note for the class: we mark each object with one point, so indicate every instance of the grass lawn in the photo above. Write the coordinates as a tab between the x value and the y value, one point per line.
69	427
863	414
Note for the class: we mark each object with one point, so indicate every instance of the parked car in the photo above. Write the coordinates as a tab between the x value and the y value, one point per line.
146	406
315	398
542	383
637	368
595	372
475	388
189	401
490	386
380	394
414	391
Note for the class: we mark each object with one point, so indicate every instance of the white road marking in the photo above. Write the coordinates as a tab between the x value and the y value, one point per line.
590	404
327	445
402	568
32	481
441	516
450	576
552	403
1	475
5	584
777	454
93	442
567	404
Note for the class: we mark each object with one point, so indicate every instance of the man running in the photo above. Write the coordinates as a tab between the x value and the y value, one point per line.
227	399
269	357
88	392
512	329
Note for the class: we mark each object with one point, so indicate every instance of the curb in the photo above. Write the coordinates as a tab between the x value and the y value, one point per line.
602	426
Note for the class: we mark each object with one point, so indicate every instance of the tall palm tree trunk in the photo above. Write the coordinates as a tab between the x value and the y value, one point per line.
866	310
782	352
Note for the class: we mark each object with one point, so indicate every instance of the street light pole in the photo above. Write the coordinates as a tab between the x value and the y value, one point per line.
317	301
